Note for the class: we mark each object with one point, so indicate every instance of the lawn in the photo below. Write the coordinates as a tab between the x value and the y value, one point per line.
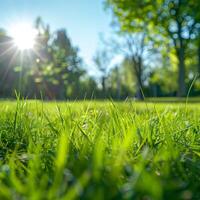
99	150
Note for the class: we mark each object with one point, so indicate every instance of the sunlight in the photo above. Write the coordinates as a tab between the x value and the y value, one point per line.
23	35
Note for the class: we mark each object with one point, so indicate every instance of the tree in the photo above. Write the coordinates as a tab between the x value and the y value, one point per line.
171	18
197	45
52	68
135	49
121	81
42	69
102	61
58	65
68	64
8	61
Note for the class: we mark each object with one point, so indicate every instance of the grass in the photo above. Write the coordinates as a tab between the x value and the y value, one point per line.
99	150
173	100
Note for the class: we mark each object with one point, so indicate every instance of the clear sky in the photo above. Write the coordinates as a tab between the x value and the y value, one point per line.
83	19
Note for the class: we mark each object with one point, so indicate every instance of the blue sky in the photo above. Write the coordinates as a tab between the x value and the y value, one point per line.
83	19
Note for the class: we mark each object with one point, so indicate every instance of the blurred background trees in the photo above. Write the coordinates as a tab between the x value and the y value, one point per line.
177	21
158	40
102	61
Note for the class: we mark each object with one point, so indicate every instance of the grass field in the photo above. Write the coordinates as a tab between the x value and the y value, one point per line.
99	150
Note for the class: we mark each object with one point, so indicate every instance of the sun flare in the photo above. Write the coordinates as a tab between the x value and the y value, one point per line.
23	35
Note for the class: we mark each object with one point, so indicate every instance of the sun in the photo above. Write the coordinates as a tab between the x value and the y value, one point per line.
23	35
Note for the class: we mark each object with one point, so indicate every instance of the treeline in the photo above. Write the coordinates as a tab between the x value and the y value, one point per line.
168	30
53	69
159	41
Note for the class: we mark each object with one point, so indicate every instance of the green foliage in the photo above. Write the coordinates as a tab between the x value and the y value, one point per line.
158	39
53	67
121	81
59	64
87	150
175	21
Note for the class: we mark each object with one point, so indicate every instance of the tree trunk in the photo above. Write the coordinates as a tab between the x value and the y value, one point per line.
118	84
199	57
103	86
139	92
180	50
181	72
139	84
